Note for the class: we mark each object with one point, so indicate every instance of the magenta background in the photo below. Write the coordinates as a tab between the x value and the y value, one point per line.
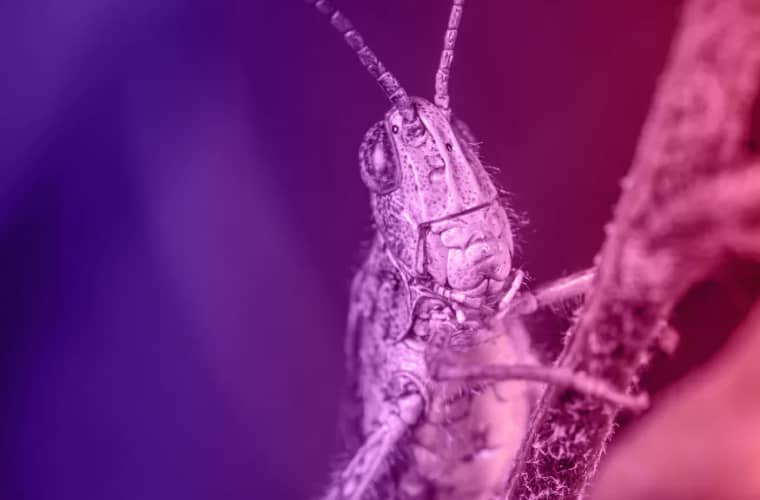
181	211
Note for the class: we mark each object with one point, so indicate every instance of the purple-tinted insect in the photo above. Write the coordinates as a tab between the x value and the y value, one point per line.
438	285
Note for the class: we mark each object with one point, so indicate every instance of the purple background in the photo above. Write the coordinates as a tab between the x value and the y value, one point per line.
181	212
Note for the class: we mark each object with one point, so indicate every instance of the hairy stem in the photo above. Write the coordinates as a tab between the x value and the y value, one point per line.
692	197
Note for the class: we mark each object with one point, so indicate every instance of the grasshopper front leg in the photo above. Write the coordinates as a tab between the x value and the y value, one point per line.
397	416
553	293
566	288
547	374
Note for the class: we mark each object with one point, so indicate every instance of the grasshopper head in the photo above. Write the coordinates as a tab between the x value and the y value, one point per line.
434	205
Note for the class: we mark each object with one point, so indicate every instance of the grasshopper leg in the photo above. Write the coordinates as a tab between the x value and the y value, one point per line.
568	287
366	464
552	375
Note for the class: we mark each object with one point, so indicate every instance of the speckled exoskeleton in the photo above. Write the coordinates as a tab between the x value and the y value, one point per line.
438	285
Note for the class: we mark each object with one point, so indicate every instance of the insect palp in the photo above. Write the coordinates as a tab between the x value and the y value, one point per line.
461	317
505	302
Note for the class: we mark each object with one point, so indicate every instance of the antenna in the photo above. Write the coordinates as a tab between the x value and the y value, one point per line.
447	55
390	85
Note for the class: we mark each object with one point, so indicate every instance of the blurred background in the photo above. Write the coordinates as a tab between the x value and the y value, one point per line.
181	214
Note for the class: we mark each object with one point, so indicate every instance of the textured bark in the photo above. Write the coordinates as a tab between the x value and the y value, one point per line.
692	199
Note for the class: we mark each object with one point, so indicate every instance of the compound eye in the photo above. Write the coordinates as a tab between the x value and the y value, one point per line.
379	169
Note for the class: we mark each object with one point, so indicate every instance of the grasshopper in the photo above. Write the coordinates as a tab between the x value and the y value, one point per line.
437	295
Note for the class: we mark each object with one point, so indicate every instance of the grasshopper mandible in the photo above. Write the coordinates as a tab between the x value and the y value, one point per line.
438	284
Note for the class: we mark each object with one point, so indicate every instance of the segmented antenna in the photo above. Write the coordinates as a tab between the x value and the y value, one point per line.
393	90
447	55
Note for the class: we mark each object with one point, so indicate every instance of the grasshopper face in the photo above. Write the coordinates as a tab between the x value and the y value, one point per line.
433	203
